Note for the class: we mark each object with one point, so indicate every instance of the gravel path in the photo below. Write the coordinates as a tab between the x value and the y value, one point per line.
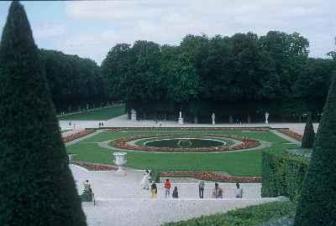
284	136
121	201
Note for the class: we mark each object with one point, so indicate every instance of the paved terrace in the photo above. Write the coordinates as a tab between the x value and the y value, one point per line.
122	202
123	121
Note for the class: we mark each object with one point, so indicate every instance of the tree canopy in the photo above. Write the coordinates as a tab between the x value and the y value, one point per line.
244	68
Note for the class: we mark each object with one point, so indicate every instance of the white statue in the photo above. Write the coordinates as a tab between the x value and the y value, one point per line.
180	119
266	117
145	182
213	117
133	115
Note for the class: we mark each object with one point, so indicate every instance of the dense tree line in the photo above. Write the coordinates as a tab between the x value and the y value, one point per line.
74	82
244	74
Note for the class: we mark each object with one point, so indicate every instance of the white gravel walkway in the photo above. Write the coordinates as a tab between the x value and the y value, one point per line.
122	121
121	201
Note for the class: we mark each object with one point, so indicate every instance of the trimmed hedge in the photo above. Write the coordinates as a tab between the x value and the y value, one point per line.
309	134
282	174
249	216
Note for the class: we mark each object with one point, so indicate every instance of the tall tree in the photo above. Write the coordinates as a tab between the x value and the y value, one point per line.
317	205
37	187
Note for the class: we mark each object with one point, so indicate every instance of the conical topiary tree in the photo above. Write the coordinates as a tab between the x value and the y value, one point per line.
36	187
317	204
309	134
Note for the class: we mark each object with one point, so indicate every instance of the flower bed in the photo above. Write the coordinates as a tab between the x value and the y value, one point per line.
123	143
291	134
211	176
77	135
95	166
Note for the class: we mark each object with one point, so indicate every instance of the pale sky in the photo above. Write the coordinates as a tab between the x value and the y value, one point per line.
91	28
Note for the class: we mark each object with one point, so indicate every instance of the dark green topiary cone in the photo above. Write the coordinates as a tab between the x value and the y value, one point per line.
309	134
36	187
317	205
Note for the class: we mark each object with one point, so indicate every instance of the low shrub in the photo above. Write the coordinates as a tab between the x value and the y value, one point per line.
249	216
282	174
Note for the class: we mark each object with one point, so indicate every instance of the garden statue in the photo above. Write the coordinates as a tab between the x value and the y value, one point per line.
133	115
266	117
213	117
180	119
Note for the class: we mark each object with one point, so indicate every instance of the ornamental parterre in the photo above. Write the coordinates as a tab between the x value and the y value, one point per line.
244	143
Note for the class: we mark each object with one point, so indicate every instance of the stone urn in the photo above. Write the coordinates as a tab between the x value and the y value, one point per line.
120	160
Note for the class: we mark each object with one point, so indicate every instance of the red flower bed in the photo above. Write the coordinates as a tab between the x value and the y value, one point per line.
77	135
211	176
246	143
95	166
291	134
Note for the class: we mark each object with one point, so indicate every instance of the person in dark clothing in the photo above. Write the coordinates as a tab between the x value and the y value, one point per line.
175	193
154	190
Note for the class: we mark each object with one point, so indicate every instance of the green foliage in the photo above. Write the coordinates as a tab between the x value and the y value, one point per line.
317	205
249	216
265	71
309	134
37	187
74	82
282	174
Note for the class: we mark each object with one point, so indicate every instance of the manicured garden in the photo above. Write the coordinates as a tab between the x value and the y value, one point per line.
249	216
235	163
97	114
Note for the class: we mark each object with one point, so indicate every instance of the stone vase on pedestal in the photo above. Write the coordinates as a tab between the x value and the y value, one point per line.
120	160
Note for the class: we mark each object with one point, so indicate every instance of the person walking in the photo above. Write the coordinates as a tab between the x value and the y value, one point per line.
153	190
239	191
175	193
167	186
201	186
217	192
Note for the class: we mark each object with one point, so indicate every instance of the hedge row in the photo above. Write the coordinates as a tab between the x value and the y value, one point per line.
249	216
282	174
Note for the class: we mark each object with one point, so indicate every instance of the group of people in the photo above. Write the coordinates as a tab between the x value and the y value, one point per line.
217	192
87	195
167	186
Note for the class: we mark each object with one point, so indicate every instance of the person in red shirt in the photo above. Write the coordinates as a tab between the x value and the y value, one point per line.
167	186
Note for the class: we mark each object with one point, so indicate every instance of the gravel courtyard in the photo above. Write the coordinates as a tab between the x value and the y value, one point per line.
121	201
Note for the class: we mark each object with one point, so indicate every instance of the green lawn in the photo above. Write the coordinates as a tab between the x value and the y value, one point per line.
249	216
97	114
246	163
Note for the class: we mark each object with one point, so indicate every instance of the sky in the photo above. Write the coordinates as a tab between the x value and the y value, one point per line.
91	28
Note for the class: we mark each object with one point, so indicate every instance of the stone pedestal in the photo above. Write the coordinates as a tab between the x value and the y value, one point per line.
133	115
120	160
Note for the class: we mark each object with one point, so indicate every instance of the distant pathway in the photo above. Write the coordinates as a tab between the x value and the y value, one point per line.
284	136
85	137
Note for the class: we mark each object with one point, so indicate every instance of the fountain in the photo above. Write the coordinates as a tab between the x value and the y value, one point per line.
120	160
